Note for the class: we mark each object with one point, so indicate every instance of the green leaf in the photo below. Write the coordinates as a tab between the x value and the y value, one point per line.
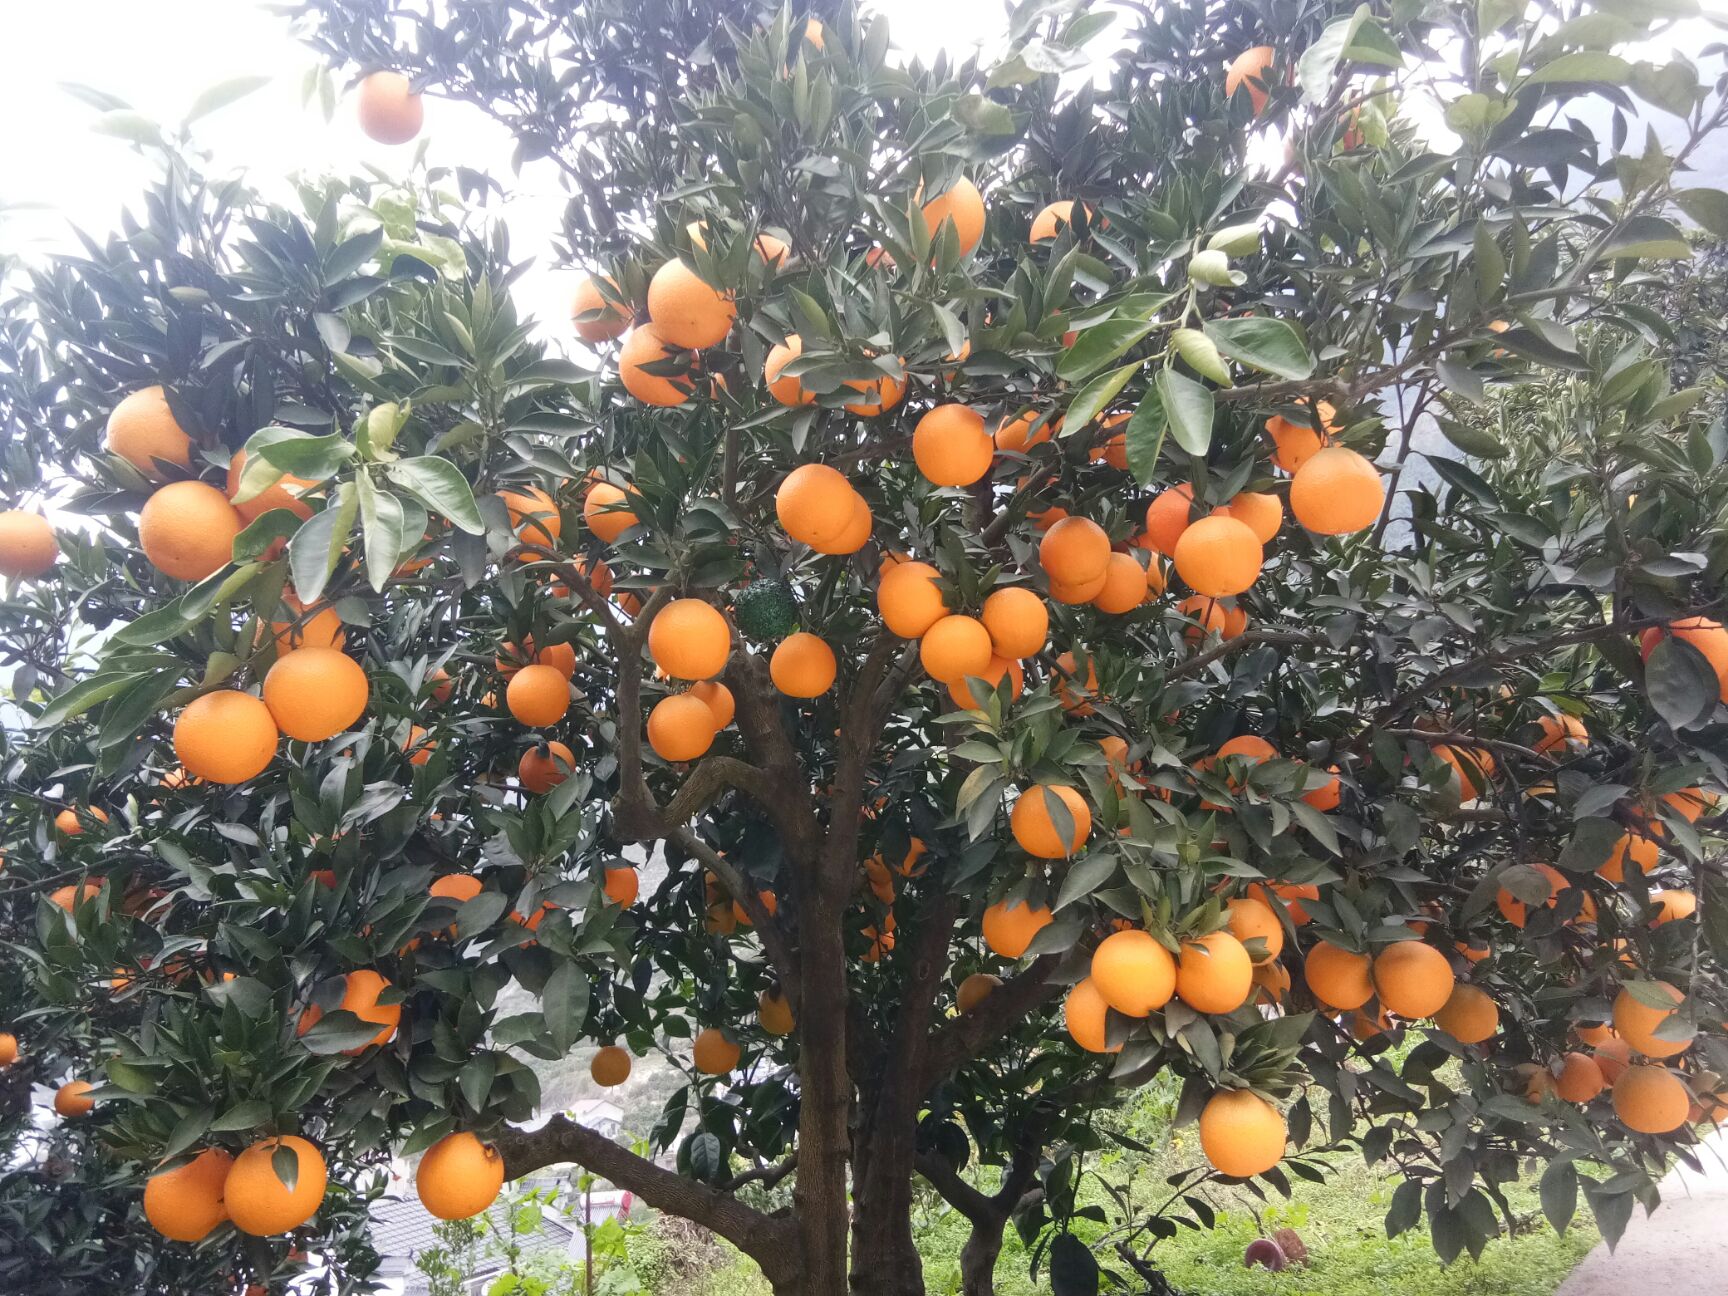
440	486
222	94
1098	346
1201	353
984	116
1267	344
705	1156
564	1002
1073	1268
83	695
1559	1192
1188	406
475	1079
242	1116
317	546
1475	441
1089	402
1144	438
382	524
1709	207
1582	66
1593	841
1649	237
1680	683
187	1131
1088	873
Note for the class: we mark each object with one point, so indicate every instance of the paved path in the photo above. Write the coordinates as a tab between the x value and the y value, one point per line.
1681	1249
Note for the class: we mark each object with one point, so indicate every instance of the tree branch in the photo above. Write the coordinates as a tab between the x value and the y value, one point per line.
770	1242
963	1037
767	925
1247	639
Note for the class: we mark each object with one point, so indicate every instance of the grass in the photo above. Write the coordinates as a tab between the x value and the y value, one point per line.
1340	1221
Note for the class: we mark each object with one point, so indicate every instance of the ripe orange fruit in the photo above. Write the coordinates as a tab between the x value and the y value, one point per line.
27	544
390	110
67	897
1296	443
1338	978
1214	973
1167	517
606	320
814	503
951	446
68	822
1248	71
72	1099
1075	551
1074	595
1472	767
142	430
1413	980
1636	1022
226	737
606	511
719	700
360	993
646	345
1515	911
280	494
962	204
1252	919
909	599
1034	825
1337	492
1208	613
1018	622
1328	795
954	648
315	693
1673	905
316	627
538	695
459	1177
961	692
1124	586
185	1204
187	530
1071	689
534	517
787	390
610	1067
857	532
460	887
880	395
803	666
1016	434
543	768
1241	1133
689	639
1707	636
1580	1079
1469	1015
714	1054
1561	731
1008	930
681	728
8	1048
418	746
687	311
974	990
1085	1014
1263	514
621	886
1218	556
774	1013
1271	981
259	1203
1651	1100
1640	850
1052	219
1613	1055
1133	972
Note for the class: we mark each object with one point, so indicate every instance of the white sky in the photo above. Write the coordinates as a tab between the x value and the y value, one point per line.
158	55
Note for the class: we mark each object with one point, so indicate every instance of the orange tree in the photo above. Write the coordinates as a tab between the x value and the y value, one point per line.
969	567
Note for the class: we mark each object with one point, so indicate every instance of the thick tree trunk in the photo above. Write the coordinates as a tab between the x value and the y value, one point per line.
885	1260
820	1203
978	1258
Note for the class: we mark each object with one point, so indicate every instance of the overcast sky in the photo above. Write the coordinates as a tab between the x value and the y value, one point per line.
159	54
